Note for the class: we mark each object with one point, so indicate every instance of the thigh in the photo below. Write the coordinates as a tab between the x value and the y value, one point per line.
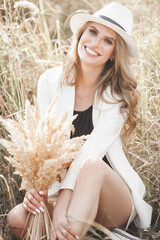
115	203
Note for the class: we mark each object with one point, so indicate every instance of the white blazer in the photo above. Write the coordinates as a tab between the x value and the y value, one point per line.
104	139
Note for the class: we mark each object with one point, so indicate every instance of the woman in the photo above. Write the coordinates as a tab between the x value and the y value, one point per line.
96	81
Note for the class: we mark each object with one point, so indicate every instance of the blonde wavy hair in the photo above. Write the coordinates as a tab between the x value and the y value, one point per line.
116	74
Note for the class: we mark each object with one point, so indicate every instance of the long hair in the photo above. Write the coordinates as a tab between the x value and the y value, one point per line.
116	74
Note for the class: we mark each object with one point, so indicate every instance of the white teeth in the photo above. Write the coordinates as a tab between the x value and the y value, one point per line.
91	52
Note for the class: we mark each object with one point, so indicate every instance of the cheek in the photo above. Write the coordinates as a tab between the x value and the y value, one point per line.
84	37
109	50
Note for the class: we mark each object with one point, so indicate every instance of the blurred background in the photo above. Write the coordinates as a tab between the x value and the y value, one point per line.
33	37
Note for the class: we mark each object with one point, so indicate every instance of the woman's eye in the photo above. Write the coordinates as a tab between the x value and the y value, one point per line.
108	41
93	32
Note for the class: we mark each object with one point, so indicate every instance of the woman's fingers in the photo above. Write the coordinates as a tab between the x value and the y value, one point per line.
36	195
68	229
33	202
69	235
59	235
52	233
31	207
65	233
44	194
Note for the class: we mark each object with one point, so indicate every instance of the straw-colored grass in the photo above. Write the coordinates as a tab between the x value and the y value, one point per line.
31	40
1	237
40	149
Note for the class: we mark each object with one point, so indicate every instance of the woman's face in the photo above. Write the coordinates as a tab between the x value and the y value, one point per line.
96	45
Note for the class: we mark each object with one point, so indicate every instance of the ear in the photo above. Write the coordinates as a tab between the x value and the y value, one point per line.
112	58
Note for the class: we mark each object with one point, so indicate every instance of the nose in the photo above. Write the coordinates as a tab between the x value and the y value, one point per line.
96	41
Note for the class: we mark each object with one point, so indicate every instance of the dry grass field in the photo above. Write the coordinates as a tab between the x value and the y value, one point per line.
33	37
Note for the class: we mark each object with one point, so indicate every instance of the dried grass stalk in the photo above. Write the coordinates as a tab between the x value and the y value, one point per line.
40	149
38	226
1	237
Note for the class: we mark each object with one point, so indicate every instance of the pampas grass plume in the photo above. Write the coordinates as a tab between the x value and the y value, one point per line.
40	147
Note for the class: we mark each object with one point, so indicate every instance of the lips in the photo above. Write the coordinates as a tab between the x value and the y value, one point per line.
91	51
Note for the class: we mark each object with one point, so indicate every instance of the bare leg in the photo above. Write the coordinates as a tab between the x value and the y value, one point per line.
17	219
101	195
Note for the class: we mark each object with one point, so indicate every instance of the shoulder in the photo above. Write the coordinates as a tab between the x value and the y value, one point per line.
112	100
111	96
54	71
51	76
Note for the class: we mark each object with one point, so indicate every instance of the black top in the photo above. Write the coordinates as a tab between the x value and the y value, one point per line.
83	124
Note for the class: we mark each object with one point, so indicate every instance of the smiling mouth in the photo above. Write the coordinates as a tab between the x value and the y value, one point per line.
93	53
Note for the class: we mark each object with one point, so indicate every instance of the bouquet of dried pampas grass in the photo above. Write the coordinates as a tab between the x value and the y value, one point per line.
40	148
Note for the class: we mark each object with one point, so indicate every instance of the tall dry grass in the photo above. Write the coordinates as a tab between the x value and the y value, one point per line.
32	39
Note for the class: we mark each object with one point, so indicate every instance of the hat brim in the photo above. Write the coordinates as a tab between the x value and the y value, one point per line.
78	20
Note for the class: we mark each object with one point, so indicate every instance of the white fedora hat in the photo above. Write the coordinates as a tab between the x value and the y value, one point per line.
114	16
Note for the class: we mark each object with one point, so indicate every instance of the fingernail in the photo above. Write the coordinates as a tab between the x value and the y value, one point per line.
42	204
77	237
41	192
42	210
37	210
34	212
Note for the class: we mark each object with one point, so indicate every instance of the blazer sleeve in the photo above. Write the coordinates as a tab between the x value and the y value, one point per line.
106	130
47	87
43	93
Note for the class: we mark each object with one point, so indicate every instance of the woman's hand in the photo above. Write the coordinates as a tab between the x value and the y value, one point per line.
33	201
62	228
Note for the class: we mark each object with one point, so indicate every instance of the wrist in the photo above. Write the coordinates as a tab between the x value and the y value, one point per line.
64	197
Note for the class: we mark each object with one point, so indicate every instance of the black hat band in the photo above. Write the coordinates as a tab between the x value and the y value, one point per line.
111	21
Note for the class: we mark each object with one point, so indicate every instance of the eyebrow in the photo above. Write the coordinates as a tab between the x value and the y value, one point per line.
106	36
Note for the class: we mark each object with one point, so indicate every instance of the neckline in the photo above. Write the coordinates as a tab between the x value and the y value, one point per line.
86	110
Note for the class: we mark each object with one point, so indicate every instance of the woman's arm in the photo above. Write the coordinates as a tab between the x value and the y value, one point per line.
61	225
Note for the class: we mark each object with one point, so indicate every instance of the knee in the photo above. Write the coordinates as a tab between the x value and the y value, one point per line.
92	167
16	219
